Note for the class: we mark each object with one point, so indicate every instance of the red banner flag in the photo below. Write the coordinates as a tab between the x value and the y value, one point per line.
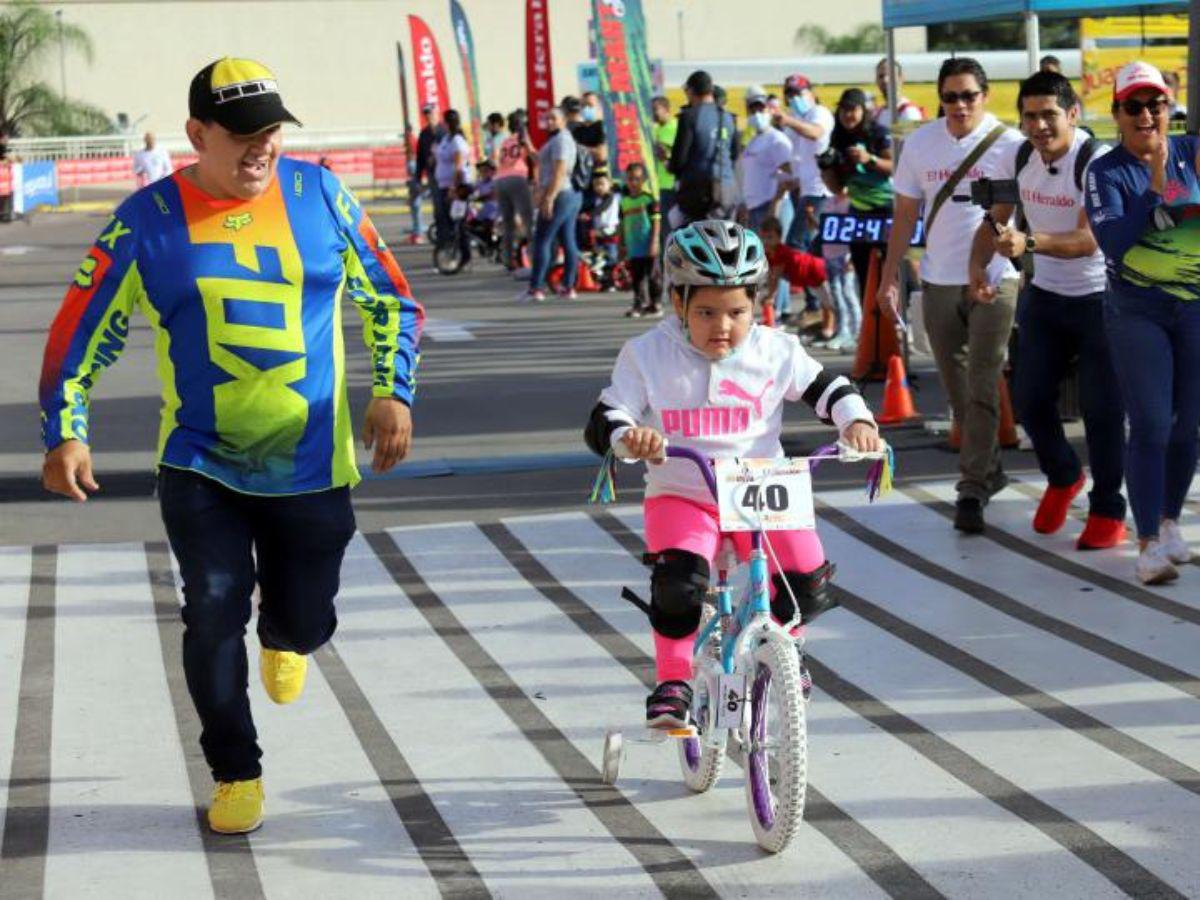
539	74
431	77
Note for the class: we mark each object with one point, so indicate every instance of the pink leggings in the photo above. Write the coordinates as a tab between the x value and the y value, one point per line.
673	523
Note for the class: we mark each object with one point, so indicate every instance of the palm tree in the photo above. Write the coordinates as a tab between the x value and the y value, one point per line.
866	38
29	106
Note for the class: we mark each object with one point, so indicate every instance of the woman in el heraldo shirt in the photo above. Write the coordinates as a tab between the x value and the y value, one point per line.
1143	203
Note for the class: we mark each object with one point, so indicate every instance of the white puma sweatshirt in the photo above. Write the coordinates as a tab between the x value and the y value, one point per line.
725	408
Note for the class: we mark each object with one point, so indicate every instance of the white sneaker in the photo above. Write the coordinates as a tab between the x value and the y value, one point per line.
1171	537
1154	566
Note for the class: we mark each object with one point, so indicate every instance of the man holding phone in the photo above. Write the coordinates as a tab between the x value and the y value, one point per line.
967	329
1060	314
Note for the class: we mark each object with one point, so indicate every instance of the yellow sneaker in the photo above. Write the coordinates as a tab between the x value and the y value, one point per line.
282	674
237	806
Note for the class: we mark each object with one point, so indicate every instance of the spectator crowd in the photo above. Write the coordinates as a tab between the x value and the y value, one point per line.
1046	253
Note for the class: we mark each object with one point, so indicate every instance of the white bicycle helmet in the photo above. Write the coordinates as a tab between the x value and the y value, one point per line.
713	252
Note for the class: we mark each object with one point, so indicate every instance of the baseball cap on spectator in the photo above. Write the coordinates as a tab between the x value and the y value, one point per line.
794	84
240	95
755	94
1134	77
852	97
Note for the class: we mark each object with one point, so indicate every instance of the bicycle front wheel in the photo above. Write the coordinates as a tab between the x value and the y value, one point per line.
777	749
703	756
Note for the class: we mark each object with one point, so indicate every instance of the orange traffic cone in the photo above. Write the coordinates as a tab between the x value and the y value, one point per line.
897	397
877	340
585	281
768	313
1008	425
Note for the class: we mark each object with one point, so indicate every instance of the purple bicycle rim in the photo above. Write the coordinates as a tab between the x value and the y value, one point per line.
691	753
758	770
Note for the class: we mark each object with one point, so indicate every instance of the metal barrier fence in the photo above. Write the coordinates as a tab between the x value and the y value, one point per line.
103	146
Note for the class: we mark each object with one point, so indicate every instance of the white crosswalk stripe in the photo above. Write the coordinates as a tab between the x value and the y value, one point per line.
988	722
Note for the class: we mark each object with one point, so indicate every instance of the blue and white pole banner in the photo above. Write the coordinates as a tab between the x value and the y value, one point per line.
34	184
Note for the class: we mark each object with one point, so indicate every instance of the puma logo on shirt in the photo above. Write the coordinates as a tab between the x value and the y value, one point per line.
729	388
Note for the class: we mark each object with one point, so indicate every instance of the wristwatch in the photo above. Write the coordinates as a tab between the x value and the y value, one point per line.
1030	243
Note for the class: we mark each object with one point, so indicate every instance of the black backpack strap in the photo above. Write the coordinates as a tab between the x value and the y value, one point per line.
1086	151
1023	153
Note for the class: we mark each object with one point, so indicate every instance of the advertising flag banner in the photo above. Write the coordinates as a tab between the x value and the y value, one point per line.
539	73
427	62
626	83
466	54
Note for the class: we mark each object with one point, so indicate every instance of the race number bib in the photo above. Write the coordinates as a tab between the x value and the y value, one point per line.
458	209
765	495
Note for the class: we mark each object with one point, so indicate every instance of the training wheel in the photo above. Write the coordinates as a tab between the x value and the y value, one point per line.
610	769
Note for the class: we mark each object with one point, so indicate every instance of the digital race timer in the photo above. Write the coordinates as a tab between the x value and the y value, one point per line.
862	228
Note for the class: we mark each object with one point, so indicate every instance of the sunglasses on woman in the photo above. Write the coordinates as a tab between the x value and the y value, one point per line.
1133	108
968	97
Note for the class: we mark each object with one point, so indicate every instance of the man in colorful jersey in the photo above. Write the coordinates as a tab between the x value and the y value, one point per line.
239	263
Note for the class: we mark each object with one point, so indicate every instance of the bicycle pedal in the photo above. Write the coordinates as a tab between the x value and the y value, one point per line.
688	732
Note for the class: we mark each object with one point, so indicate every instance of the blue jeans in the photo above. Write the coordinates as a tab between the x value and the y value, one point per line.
783	293
1155	346
292	546
843	289
559	227
416	196
1051	330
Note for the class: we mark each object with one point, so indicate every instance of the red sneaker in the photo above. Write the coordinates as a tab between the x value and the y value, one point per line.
1051	513
1101	532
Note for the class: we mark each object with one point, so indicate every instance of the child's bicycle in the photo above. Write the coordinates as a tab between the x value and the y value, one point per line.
746	679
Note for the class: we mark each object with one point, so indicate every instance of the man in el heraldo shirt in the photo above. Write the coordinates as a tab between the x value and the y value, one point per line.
1060	314
968	329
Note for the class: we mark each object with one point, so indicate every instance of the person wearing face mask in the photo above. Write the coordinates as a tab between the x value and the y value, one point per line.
1142	202
765	159
1060	313
239	262
585	119
809	126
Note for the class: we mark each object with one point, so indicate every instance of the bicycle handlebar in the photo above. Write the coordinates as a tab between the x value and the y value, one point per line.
830	451
703	463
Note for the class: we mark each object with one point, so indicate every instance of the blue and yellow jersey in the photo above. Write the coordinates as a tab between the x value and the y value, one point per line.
244	301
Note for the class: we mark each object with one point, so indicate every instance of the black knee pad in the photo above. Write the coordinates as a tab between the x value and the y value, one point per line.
678	585
811	590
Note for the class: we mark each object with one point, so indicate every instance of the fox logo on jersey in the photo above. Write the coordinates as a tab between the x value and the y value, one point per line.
238	222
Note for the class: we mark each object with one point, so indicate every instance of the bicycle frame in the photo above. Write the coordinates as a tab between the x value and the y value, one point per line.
752	616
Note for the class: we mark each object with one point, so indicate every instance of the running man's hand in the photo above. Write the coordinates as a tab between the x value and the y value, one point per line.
863	437
67	470
888	298
644	443
388	426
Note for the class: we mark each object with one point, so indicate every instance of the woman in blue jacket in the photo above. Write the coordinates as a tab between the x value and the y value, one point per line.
1143	201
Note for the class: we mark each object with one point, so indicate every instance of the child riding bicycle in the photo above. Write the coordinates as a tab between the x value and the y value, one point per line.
710	380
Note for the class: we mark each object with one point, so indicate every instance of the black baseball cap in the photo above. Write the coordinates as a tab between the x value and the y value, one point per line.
238	94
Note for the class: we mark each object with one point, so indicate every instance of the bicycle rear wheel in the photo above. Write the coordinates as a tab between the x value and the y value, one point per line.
777	749
449	258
